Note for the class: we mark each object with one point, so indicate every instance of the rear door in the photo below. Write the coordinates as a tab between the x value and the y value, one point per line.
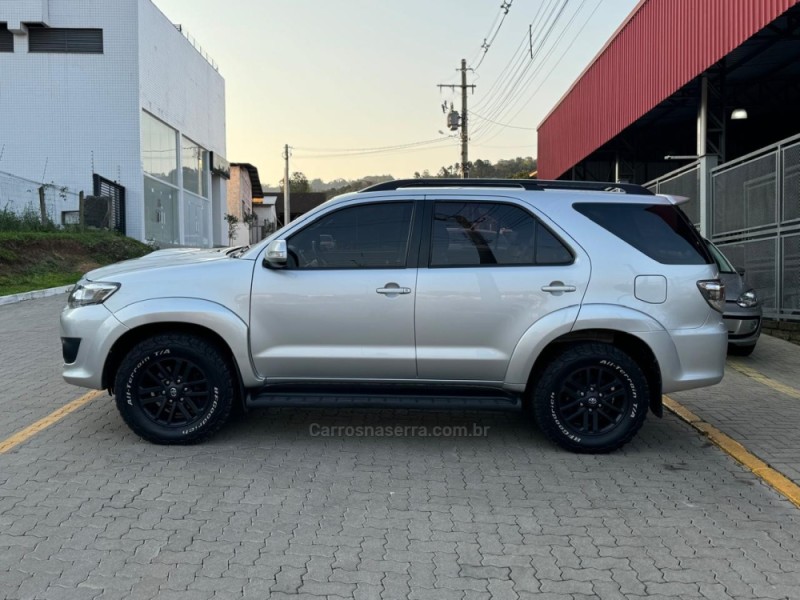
489	269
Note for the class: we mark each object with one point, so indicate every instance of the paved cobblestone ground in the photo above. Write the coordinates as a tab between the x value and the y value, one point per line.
764	420
267	510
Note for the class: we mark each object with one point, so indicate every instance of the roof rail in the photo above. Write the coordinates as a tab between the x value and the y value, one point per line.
526	184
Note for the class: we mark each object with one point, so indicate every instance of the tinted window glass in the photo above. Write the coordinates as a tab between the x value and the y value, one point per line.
549	249
368	236
467	234
661	231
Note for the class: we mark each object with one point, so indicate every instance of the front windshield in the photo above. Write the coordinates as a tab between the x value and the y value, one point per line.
723	263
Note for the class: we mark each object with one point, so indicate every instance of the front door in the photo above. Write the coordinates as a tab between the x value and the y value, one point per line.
343	308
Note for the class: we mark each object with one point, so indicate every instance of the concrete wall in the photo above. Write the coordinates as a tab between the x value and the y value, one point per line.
240	192
63	116
66	116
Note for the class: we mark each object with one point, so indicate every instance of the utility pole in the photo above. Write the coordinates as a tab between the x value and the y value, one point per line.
286	214
464	131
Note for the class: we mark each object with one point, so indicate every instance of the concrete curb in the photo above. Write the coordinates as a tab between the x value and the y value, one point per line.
14	298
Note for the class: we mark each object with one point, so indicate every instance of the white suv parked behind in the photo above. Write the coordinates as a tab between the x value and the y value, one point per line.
578	302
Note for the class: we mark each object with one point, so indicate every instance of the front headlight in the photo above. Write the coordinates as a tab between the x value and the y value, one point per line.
95	292
748	299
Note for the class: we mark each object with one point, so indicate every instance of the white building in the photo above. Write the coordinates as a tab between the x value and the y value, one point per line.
115	89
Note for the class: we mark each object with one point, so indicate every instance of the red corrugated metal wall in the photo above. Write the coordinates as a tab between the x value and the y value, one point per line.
663	46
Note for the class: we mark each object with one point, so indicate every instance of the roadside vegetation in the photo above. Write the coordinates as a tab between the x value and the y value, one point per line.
36	255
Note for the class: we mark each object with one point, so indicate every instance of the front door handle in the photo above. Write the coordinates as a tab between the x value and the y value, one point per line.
558	287
392	289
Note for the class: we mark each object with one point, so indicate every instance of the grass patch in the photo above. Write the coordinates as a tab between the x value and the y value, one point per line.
32	260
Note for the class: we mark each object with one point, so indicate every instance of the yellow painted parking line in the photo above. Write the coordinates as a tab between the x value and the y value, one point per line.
763	379
23	435
774	479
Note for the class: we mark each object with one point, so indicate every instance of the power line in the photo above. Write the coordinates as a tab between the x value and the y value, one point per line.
474	114
487	42
375	148
541	26
555	65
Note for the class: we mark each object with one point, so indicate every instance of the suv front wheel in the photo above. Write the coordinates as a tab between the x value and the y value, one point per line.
592	397
174	389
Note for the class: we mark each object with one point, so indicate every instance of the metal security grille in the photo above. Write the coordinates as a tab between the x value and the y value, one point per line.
745	195
756	222
6	39
681	182
790	158
116	196
65	41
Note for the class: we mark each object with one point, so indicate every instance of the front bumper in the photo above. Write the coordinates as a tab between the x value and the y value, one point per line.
743	324
91	331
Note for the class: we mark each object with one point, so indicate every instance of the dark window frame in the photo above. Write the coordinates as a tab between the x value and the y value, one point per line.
537	224
65	40
412	241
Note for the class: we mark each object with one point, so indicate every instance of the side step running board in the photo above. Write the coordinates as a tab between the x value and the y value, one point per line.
284	396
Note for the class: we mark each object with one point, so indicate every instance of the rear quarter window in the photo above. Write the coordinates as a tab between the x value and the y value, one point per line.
660	231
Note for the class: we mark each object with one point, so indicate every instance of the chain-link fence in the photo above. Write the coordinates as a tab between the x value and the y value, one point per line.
24	196
756	222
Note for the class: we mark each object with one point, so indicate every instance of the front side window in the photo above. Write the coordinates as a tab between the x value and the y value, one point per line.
471	234
370	236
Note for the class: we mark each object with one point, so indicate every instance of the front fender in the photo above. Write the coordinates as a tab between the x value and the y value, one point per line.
194	311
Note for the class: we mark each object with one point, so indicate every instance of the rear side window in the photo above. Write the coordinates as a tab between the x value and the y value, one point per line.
661	231
472	234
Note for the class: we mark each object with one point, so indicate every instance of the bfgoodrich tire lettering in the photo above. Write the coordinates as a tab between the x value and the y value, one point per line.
174	389
593	397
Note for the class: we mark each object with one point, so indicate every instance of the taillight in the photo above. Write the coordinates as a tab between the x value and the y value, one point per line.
713	291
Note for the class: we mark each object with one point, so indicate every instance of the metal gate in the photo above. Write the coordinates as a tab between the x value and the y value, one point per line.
116	197
756	222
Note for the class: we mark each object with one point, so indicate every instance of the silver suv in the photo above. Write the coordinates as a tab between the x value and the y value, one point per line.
579	303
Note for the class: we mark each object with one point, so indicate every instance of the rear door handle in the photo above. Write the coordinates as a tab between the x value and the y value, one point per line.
558	287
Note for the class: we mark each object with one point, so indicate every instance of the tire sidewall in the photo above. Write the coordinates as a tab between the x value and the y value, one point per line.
134	366
636	387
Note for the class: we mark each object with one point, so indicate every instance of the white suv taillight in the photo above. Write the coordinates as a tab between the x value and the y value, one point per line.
713	291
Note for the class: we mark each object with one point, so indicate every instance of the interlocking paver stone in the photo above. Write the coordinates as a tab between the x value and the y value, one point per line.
87	510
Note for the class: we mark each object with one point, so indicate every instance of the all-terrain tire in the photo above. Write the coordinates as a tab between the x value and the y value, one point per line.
175	389
591	398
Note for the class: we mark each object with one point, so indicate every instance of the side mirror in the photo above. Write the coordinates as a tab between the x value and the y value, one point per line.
276	255
740	271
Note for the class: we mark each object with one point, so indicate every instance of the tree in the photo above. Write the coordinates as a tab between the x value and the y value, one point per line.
298	183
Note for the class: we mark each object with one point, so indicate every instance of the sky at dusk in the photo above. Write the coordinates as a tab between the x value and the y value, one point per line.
345	82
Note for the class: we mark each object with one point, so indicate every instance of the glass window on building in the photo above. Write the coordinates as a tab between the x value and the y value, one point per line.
194	161
161	212
159	150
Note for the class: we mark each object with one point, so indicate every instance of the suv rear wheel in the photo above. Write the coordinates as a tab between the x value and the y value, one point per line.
174	389
592	397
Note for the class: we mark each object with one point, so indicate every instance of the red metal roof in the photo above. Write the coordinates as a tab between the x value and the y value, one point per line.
662	45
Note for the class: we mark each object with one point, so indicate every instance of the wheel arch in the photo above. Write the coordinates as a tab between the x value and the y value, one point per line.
191	316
